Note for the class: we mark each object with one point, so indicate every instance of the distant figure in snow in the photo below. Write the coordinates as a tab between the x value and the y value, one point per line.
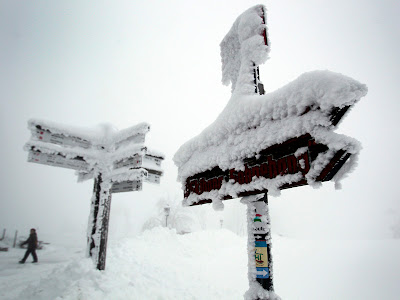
32	242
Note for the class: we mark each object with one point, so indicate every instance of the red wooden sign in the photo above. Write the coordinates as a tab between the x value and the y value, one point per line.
295	156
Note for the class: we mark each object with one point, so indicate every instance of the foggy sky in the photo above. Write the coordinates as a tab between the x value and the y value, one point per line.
83	63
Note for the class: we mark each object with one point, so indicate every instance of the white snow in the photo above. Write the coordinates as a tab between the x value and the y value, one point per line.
159	264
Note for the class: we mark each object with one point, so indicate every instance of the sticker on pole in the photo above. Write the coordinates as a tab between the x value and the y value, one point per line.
261	258
261	255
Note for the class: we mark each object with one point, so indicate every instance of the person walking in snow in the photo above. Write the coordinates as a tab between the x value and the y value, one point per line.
32	242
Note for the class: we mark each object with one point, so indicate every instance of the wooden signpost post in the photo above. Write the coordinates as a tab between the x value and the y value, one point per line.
117	163
303	155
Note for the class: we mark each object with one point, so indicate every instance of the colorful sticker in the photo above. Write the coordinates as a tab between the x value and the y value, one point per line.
261	254
257	218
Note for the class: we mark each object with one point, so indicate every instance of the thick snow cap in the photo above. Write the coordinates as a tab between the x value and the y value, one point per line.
244	47
103	133
250	124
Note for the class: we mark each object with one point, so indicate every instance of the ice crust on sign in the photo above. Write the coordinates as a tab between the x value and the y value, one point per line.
242	48
251	123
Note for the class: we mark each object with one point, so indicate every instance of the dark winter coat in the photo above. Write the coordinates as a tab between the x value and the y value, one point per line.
31	241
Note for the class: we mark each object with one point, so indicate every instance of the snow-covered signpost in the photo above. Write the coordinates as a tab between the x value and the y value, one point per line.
262	144
167	209
117	160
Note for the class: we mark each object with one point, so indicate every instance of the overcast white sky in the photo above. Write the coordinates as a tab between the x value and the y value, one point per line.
124	62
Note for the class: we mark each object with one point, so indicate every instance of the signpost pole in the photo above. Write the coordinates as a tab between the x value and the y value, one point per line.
259	236
98	221
102	223
94	210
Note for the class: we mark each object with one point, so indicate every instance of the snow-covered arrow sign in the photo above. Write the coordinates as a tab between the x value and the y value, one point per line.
150	162
46	135
263	143
57	160
117	160
270	142
126	186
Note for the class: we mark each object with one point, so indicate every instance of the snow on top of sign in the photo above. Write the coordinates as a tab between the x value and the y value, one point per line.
88	155
155	153
125	174
249	124
134	149
128	151
242	46
101	134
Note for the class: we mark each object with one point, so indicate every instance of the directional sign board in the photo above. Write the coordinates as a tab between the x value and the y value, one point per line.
149	162
153	176
57	160
137	161
295	156
126	186
133	135
131	162
135	139
150	159
59	139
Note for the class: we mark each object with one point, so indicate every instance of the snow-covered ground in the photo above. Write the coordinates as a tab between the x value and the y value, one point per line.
160	264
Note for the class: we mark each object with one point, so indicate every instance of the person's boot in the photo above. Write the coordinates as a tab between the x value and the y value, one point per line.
21	262
35	261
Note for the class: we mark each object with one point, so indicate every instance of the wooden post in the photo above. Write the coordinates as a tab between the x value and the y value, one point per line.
94	210
98	222
102	223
